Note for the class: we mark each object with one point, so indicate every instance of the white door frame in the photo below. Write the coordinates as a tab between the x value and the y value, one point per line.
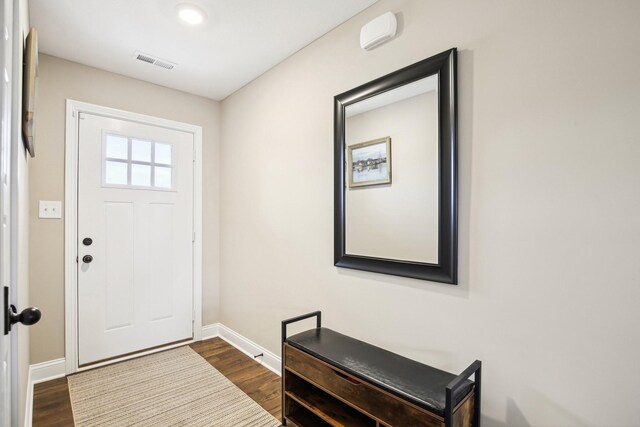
71	217
8	362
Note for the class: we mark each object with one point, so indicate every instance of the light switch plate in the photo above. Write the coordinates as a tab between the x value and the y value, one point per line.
50	209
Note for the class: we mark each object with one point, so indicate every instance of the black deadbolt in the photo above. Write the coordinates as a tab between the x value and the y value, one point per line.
87	241
87	259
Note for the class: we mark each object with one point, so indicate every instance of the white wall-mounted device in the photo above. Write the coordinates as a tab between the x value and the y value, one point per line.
378	31
50	209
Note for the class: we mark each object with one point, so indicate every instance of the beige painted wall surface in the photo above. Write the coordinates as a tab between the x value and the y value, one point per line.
59	80
549	205
397	220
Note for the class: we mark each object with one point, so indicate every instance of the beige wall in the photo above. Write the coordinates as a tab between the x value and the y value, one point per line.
397	220
59	80
549	205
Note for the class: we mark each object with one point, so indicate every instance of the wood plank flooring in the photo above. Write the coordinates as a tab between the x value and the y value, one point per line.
52	407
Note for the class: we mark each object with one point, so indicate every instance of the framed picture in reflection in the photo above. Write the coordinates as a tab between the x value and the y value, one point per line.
369	163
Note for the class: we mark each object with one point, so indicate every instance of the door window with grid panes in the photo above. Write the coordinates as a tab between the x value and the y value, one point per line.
137	163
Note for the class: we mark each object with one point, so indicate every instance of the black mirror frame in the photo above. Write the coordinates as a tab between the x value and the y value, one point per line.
446	270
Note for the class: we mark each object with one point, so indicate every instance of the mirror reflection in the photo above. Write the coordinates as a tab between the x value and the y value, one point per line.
391	194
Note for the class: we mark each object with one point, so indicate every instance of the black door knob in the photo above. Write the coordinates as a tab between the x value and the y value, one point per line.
87	259
28	316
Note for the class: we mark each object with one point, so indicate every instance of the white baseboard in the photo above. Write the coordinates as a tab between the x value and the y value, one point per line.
245	345
210	331
53	369
45	371
248	347
38	373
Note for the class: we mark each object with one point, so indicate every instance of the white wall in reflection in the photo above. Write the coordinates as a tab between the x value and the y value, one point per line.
397	220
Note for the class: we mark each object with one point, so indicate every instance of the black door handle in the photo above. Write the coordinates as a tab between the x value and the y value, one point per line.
87	259
28	316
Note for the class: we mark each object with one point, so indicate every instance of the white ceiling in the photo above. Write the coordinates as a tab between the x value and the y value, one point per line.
240	40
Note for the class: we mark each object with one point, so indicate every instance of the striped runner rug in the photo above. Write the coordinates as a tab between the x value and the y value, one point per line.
172	388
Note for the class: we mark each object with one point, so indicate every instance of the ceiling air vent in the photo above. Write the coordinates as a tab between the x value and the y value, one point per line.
150	59
164	64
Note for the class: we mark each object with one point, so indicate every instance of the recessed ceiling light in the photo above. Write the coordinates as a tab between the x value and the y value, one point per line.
191	14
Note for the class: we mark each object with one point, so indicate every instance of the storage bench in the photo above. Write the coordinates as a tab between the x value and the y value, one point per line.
330	379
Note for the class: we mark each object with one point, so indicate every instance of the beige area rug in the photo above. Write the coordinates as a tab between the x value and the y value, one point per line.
173	388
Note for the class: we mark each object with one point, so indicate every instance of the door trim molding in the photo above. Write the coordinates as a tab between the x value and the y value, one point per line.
73	108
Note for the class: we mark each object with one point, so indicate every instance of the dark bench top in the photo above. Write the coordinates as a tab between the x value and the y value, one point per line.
418	383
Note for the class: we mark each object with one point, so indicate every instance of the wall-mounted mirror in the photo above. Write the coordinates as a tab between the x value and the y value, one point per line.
395	173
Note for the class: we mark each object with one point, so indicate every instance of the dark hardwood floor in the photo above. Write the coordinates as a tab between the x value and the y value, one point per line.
52	407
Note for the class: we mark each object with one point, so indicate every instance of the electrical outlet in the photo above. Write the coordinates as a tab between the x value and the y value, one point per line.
50	209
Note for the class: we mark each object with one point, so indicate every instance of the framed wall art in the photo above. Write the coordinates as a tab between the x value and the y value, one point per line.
370	163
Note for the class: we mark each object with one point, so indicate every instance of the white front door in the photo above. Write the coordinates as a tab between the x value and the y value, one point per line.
135	237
